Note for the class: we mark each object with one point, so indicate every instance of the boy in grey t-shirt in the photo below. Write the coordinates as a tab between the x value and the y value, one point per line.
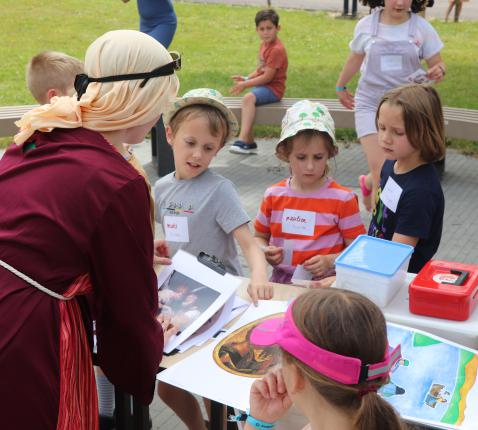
200	210
213	211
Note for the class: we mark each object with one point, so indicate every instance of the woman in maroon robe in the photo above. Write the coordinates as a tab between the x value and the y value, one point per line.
74	219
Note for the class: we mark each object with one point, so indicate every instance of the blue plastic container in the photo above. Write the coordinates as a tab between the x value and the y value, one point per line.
373	267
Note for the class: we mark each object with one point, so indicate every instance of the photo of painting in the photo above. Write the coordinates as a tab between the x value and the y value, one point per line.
236	355
184	299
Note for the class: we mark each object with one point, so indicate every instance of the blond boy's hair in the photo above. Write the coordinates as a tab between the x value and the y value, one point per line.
217	121
52	70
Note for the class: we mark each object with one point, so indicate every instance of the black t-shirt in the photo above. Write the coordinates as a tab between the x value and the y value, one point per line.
419	211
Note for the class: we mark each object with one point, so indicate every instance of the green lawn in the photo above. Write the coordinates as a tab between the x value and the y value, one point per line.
216	41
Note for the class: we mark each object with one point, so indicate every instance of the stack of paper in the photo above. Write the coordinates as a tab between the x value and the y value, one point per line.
198	299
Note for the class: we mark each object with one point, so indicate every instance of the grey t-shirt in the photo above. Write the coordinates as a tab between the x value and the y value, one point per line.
213	211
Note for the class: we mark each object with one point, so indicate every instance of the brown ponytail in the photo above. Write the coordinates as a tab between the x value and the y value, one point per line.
348	324
374	413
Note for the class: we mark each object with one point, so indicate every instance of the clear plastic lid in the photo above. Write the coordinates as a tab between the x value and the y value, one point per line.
374	255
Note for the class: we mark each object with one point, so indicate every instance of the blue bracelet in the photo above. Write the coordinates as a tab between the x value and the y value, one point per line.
258	424
340	89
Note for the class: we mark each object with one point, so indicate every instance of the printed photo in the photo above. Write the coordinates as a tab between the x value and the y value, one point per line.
184	299
236	355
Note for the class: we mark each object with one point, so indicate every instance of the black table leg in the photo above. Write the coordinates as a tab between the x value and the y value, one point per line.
217	416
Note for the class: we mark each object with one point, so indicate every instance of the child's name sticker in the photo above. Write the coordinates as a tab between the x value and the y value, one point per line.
391	194
298	222
390	63
176	228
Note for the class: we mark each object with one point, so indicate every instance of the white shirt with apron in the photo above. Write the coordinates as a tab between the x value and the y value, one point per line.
389	64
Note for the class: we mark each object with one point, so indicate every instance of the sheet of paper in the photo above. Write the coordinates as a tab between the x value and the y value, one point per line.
435	382
239	306
210	327
288	251
301	274
215	380
192	293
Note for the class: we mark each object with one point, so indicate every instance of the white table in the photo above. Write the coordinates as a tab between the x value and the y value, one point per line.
462	332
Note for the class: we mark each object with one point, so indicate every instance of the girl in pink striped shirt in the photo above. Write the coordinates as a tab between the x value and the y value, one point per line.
306	220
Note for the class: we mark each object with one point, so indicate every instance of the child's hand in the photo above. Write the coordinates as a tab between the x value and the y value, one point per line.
319	264
436	73
323	283
238	78
268	397
161	252
346	98
169	329
262	290
274	255
238	88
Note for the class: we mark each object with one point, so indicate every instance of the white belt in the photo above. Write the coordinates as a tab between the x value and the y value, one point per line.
32	282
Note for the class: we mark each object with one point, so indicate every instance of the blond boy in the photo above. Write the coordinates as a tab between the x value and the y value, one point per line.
51	74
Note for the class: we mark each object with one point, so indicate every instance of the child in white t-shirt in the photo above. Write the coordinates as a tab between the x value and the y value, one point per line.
388	48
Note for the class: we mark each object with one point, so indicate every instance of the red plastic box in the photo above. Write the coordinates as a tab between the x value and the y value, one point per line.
445	290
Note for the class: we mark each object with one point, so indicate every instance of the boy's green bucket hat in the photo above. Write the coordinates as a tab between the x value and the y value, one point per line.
204	96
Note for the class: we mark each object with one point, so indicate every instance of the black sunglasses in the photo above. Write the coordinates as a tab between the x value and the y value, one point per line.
83	80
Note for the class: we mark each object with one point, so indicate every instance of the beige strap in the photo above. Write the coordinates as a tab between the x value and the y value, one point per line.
32	282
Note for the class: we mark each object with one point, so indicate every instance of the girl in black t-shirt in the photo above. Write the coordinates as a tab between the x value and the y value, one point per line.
409	202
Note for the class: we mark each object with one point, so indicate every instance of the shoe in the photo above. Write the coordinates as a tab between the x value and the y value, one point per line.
241	147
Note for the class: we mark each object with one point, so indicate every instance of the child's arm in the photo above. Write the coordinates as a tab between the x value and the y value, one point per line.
407	240
259	288
240	78
274	255
351	67
262	79
436	68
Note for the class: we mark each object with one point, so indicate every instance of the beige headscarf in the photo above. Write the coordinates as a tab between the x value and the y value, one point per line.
110	106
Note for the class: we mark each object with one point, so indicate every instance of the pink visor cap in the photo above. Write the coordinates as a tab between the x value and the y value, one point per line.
340	368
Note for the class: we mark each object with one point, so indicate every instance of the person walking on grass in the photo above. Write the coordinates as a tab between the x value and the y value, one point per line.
388	49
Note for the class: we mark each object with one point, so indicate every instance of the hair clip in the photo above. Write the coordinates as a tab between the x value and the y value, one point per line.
81	84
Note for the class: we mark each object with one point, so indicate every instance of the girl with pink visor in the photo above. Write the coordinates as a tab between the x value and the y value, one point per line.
335	358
